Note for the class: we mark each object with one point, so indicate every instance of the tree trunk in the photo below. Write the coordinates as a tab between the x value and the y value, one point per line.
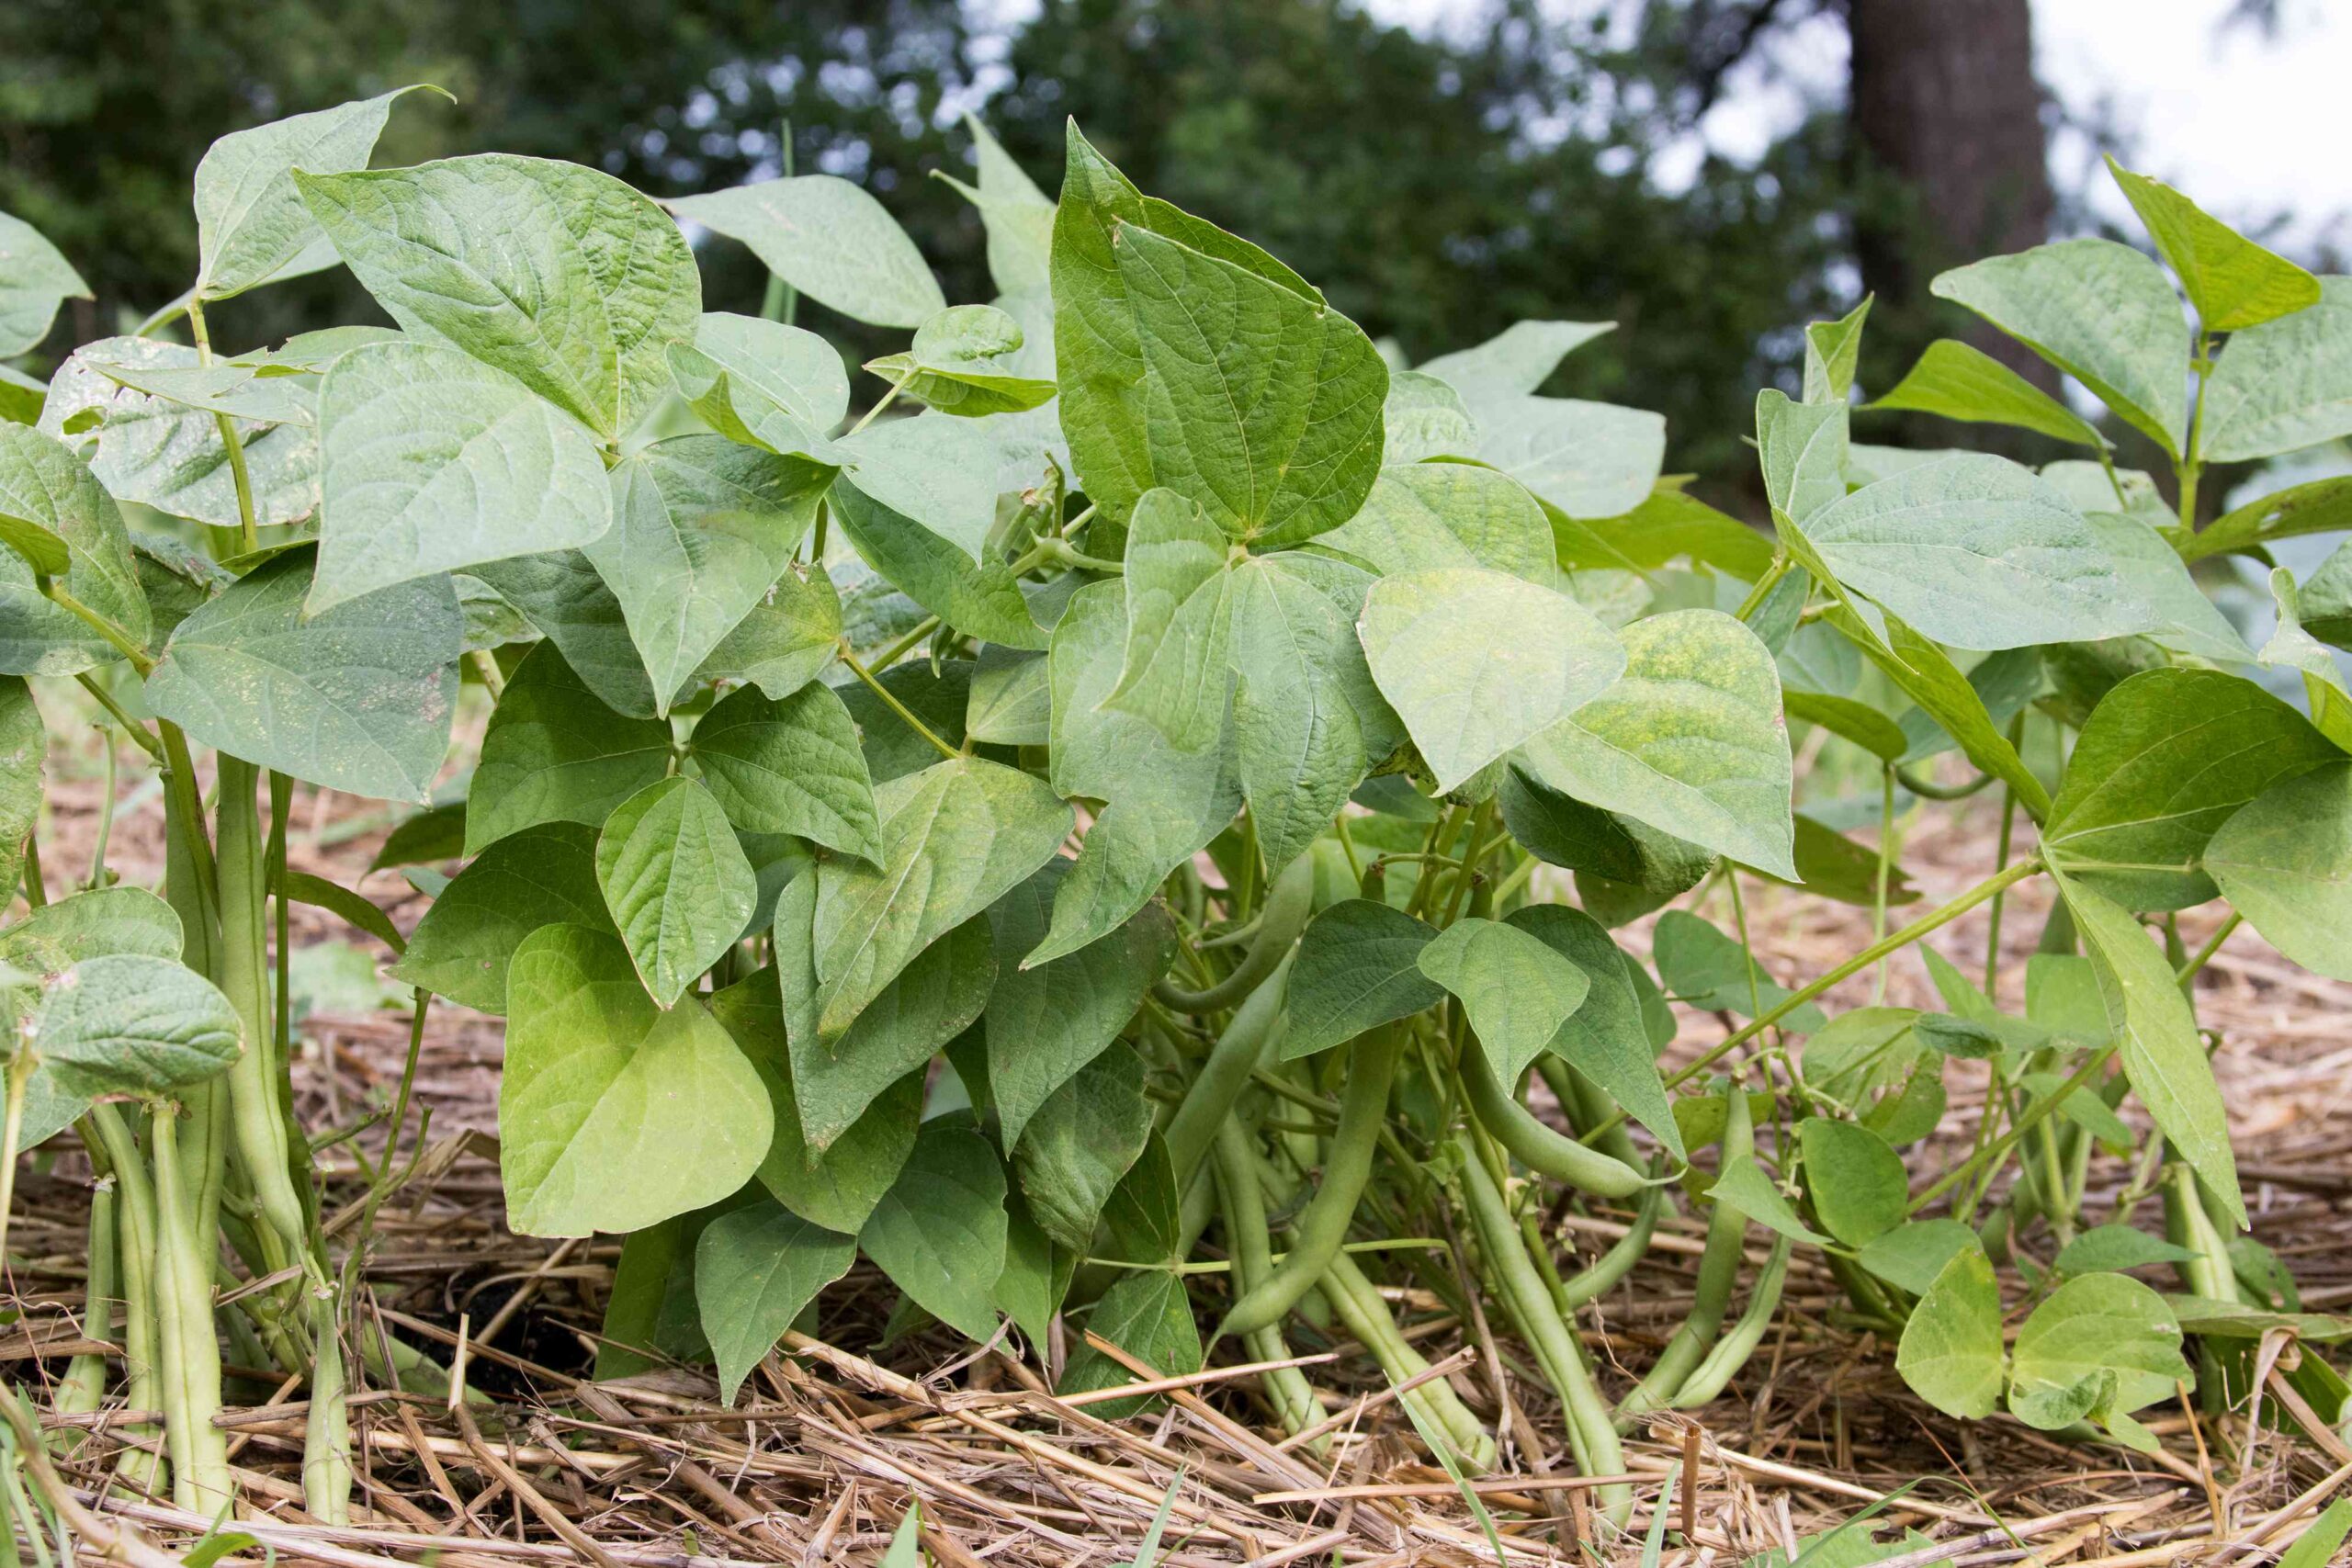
1951	165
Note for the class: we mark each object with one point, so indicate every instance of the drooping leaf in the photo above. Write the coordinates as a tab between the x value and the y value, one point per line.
133	1023
562	276
2169	758
359	698
2291	646
1190	359
983	601
1977	552
1689	740
2185	619
678	884
1465	696
2285	863
1045	1022
1958	381
1421	516
2233	283
1914	1253
560	595
790	767
1589	459
1081	1141
1148	1315
1516	988
613	1114
541	875
35	280
762	383
56	515
1705	968
933	470
754	1270
433	460
1604	1038
789	638
250	220
1176	674
2112	1248
1515	361
956	838
2163	1055
2100	310
2102	1344
1951	1352
1564	831
1857	1183
1358	967
701	529
555	752
1011	702
963	363
939	1233
829	238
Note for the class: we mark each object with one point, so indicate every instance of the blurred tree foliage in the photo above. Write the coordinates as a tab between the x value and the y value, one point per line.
1437	187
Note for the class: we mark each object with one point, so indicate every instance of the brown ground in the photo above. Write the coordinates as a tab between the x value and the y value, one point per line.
826	1447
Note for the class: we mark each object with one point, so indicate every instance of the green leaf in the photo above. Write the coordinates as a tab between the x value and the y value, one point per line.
2291	646
1148	1315
1977	552
1515	361
250	220
754	1270
2185	620
1689	740
1425	516
133	1023
1083	1138
838	1185
1831	352
787	640
1914	1253
829	238
54	512
229	387
962	362
561	595
1951	1351
2101	1343
790	767
2102	312
935	470
1604	1038
1160	804
1515	988
956	838
2167	758
1589	459
2285	863
1019	216
1857	1183
35	278
614	1113
543	875
1802	449
1046	1020
1010	701
1176	676
2284	385
358	699
554	752
432	461
1956	382
2316	1544
983	601
762	383
1309	722
1423	417
939	1233
1851	720
1743	1188
1562	830
1465	696
702	529
166	455
678	884
937	699
23	745
2233	283
103	921
1708	970
1188	358
1358	967
565	278
2110	1249
2163	1055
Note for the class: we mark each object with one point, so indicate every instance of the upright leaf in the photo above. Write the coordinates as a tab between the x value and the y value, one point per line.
1072	1153
1358	967
2284	385
544	876
938	471
829	238
560	595
1588	460
1958	381
614	1114
2102	312
790	767
1465	695
1604	1038
1832	349
678	884
1018	217
983	601
24	747
432	460
1147	1315
1176	673
964	362
1689	740
1515	361
1188	358
56	515
1951	1352
2101	1345
1857	1181
565	278
1802	449
1425	516
359	698
755	1269
762	383
2233	283
2285	863
1423	417
555	752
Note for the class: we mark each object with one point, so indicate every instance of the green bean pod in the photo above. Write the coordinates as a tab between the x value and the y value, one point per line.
253	1104
1192	1131
1322	1225
1244	1205
326	1433
1587	1107
1535	1145
83	1387
1288	904
1731	1352
1603	1273
191	1355
1366	1316
141	1468
1591	1437
1718	1271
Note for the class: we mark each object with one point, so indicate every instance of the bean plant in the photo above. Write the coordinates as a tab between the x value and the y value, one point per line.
1235	752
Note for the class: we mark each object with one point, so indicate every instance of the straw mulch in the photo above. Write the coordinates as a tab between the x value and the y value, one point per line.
831	1442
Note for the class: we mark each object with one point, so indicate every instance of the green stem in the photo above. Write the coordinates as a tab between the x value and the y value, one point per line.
1764	586
19	1081
898	650
883	402
260	1125
248	536
83	1387
2001	857
115	638
140	734
1885	867
36	885
894	704
97	875
493	679
781	302
2204	955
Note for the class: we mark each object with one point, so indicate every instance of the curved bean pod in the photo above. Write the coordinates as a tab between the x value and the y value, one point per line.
1288	902
1535	1145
